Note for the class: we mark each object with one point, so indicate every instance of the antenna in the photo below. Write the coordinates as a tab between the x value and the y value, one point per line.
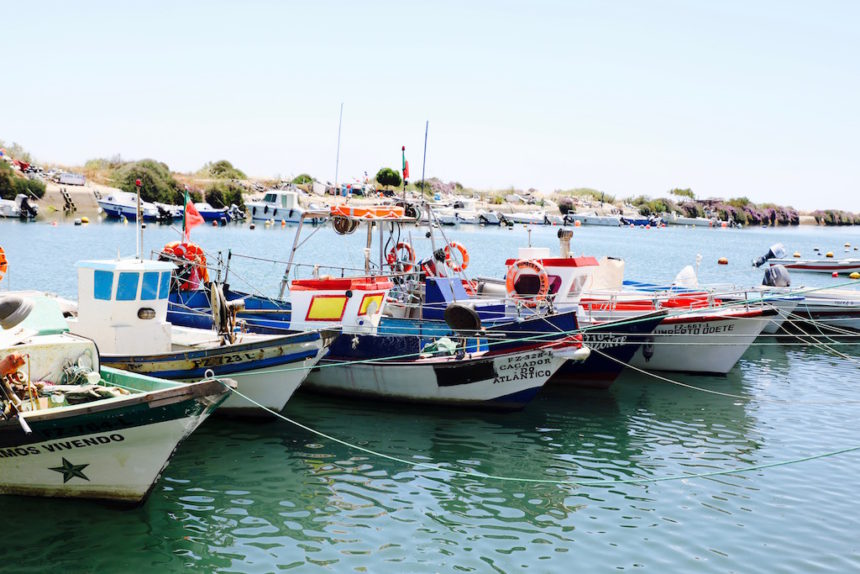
424	161
139	220
337	160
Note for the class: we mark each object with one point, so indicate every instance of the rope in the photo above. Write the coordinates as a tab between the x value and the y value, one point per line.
581	483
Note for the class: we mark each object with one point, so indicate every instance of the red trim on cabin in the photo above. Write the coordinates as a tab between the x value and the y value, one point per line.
584	261
341	284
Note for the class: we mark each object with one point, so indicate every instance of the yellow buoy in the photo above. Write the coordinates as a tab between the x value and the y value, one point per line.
797	253
829	254
855	275
847	244
723	261
85	219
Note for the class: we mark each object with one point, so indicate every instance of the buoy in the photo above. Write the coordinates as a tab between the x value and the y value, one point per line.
854	275
143	226
253	226
85	219
648	226
829	254
797	253
214	223
724	224
283	223
53	224
632	225
124	220
577	223
847	244
77	222
835	274
723	261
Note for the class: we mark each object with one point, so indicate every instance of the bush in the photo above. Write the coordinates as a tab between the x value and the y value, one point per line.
12	184
221	169
683	192
388	176
302	179
223	194
157	183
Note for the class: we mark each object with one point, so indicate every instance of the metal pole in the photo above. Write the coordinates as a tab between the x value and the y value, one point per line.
139	222
337	160
286	279
424	161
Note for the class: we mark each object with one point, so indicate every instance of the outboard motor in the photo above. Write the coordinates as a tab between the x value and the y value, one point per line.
28	210
164	215
776	276
776	251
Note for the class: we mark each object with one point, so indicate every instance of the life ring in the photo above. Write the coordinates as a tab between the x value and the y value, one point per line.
514	274
394	256
195	256
4	265
455	266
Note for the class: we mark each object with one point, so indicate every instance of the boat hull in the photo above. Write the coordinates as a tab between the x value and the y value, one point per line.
506	381
267	372
117	211
819	265
112	450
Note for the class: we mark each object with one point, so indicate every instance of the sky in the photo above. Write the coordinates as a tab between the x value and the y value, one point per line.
730	98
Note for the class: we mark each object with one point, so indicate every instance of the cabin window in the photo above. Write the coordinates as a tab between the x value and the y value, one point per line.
529	285
102	285
164	286
149	288
269	198
284	201
126	286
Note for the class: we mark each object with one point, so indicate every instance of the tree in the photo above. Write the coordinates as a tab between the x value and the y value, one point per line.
222	169
683	192
388	176
302	179
223	194
157	183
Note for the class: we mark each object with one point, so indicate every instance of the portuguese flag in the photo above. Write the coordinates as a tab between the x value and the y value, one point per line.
405	165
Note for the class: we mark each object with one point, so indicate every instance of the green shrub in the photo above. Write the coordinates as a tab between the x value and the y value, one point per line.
388	176
157	183
221	169
223	194
302	179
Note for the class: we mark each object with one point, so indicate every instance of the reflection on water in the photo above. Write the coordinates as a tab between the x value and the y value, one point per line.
251	496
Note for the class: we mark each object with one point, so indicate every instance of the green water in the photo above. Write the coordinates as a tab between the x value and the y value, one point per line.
261	497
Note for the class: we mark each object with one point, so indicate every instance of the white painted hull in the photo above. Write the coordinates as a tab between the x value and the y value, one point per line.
270	387
117	465
819	265
706	346
526	218
508	381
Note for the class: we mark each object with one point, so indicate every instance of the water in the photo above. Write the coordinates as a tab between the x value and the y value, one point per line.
262	497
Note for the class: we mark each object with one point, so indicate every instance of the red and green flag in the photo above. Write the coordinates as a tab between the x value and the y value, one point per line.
190	217
405	165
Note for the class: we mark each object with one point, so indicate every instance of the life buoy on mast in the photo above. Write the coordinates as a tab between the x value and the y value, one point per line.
514	272
451	261
394	256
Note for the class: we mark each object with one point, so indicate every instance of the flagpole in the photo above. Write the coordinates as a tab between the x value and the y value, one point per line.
424	161
337	159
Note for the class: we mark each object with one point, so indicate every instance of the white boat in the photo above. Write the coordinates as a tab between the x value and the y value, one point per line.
594	219
721	333
119	204
465	211
74	428
277	205
525	218
122	306
21	207
675	219
554	219
825	265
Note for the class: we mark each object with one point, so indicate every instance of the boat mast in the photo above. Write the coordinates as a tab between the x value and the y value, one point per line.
337	158
139	218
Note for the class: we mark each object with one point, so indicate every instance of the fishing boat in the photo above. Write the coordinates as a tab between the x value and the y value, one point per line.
277	206
209	213
72	427
122	306
652	221
676	219
525	218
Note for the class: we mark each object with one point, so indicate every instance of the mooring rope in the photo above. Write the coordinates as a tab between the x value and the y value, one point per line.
592	483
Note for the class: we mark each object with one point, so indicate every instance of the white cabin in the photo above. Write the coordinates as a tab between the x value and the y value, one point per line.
122	305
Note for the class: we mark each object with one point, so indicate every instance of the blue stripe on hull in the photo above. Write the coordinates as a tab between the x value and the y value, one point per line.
219	370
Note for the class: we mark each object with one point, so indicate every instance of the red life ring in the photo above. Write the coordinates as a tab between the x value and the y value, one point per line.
451	262
393	256
192	253
514	274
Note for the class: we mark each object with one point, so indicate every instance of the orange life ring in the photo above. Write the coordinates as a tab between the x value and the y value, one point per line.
4	265
393	256
514	274
451	262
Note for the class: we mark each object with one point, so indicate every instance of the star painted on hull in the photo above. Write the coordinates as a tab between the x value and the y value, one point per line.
70	471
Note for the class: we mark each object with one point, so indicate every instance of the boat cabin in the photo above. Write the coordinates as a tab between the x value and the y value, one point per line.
122	305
